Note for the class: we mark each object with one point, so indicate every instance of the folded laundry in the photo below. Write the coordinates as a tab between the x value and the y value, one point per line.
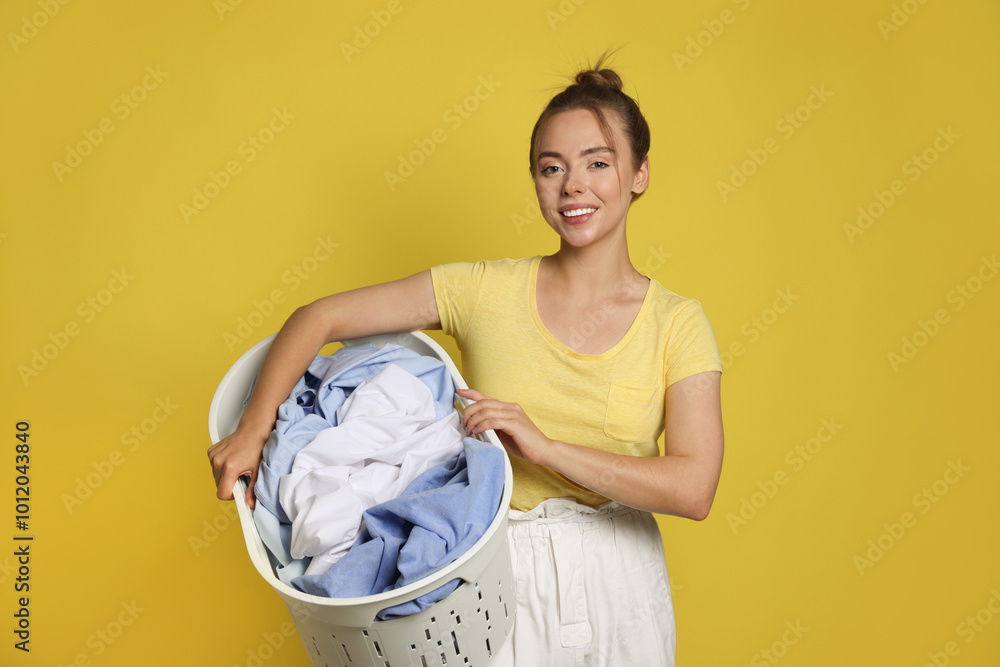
436	519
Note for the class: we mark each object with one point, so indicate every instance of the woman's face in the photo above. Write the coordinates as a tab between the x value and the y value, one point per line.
584	187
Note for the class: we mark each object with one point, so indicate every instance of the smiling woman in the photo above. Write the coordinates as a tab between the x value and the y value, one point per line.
579	177
579	363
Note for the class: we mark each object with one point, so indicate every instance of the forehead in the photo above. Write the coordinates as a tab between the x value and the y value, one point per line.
578	129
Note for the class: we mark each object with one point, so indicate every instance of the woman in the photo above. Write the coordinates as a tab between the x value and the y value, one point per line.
579	362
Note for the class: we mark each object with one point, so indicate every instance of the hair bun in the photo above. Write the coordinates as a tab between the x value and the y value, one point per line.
598	89
605	78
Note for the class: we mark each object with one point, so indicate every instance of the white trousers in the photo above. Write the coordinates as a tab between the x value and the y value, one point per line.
592	588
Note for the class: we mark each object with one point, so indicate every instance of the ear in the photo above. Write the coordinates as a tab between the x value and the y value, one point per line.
641	181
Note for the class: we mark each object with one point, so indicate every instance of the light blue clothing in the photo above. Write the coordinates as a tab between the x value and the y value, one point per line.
388	434
439	516
311	407
313	403
277	537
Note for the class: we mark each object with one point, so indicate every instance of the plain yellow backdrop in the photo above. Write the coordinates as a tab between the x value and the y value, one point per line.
178	177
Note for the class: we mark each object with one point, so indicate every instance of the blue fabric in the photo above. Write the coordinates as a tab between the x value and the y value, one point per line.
313	403
439	517
276	536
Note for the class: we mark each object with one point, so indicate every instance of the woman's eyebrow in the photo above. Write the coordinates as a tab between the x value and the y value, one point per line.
587	151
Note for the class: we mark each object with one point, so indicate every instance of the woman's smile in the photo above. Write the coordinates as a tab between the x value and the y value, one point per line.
576	214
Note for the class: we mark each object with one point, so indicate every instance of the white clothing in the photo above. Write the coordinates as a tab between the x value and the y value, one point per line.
592	588
388	433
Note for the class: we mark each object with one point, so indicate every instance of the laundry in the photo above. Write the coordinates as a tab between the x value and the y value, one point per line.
368	453
314	400
387	434
436	519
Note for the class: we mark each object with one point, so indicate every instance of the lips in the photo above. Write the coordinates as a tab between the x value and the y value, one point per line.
576	215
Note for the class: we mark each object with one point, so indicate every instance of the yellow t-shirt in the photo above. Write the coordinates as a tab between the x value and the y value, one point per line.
613	401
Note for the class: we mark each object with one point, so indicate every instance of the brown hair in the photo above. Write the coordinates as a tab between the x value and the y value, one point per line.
600	90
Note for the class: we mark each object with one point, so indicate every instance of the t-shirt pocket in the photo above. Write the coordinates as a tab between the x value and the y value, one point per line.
633	413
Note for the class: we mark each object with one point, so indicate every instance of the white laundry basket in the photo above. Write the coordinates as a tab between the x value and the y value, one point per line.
466	628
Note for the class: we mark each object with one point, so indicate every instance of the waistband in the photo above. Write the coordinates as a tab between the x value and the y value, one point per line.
558	510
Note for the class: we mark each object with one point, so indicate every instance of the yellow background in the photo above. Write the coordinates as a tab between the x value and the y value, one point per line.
142	539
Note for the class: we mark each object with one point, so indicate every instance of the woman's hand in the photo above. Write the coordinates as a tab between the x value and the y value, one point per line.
233	456
402	305
519	435
682	482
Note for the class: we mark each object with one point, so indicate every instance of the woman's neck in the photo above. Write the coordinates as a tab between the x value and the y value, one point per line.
597	270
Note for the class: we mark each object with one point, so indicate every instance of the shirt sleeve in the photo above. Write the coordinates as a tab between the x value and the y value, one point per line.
691	346
457	289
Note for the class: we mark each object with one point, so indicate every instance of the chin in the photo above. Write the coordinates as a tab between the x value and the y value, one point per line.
578	240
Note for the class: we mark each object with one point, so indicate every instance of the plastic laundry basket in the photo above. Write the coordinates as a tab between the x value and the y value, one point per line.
465	628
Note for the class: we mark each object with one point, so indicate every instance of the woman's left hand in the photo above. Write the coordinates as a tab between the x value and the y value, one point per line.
519	435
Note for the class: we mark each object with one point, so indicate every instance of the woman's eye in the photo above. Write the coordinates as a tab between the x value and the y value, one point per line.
600	164
551	169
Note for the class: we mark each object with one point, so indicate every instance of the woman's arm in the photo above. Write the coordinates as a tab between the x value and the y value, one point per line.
682	482
402	305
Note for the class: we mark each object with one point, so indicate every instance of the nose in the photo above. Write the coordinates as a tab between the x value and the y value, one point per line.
572	183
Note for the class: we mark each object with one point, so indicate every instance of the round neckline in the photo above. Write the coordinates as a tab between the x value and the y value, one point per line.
562	347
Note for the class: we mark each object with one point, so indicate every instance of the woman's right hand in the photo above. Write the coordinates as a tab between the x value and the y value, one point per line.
402	305
235	455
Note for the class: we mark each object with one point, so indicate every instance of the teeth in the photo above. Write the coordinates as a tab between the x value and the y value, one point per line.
578	211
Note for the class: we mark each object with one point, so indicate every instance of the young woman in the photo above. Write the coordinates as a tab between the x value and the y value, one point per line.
579	362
